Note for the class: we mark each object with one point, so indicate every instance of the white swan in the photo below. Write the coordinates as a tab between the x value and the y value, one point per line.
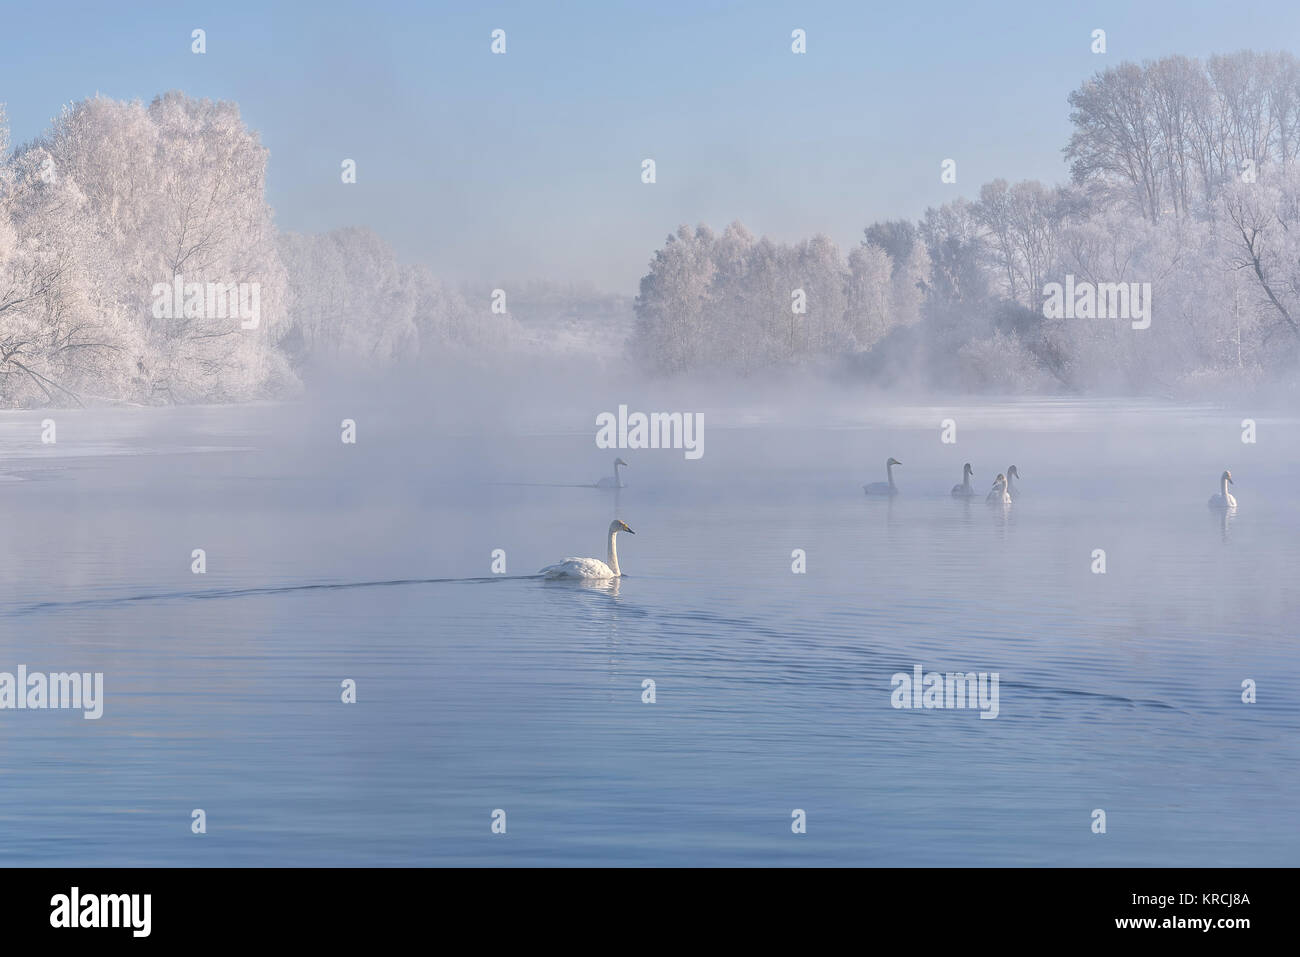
590	568
999	494
884	488
616	481
964	490
1011	488
1224	499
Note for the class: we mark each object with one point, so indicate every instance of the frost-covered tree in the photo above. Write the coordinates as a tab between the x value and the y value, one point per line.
62	331
867	311
745	304
116	200
670	334
349	299
1261	226
1023	223
734	299
959	257
352	303
1170	134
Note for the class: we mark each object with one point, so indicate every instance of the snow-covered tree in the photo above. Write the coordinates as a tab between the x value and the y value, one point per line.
120	200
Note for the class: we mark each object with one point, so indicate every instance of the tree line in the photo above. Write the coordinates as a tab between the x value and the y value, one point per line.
1183	174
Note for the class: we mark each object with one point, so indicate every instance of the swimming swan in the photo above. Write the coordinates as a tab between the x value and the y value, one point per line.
1224	499
1011	488
884	488
964	490
616	481
999	494
590	568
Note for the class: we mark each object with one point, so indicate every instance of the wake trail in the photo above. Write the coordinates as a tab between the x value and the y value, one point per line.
249	592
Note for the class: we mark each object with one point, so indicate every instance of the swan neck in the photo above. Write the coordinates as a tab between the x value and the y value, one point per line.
889	470
613	554
1223	488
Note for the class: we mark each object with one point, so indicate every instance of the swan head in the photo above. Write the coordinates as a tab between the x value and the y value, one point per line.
622	463
967	470
617	526
1014	471
1227	477
892	461
1000	480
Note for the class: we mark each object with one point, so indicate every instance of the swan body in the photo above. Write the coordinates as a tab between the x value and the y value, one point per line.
1224	499
965	489
999	494
1011	488
590	568
617	480
884	488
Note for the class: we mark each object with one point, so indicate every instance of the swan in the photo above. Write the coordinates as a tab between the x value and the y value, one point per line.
1011	489
616	481
964	490
999	494
884	488
590	568
1224	499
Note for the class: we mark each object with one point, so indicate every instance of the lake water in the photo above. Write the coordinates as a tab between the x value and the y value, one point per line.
372	562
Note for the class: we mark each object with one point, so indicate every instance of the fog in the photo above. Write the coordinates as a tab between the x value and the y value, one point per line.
1164	266
248	467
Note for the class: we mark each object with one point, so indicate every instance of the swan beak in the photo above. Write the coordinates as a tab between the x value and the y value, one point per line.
1230	481
628	530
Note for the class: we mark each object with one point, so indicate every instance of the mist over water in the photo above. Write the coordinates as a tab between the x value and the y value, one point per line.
310	347
475	691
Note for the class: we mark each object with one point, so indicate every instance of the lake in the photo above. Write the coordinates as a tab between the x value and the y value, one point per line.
373	562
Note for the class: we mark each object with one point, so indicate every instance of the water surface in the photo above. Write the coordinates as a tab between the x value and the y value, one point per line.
475	692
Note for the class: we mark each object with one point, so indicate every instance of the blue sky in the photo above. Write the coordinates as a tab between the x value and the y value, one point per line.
491	168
